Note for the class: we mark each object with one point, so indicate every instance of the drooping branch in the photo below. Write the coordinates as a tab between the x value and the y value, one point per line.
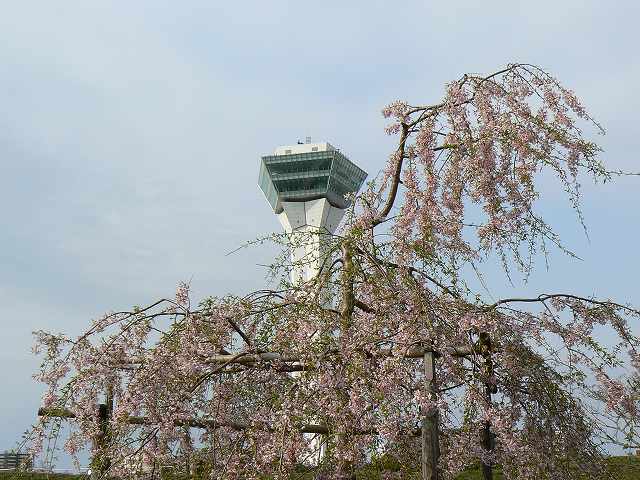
550	296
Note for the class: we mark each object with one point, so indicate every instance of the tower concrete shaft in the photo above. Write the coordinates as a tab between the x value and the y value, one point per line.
310	226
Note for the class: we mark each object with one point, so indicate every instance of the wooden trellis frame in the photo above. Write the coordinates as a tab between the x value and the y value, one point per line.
429	430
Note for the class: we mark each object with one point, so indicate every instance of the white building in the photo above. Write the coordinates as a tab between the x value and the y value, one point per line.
306	185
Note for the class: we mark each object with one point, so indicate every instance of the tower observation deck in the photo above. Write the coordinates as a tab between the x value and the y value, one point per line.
307	187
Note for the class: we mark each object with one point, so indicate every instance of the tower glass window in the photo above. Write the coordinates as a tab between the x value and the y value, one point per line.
299	177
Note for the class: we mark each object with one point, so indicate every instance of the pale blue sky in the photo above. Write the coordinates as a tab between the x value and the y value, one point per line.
130	135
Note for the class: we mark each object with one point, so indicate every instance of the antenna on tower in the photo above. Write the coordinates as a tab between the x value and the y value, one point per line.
307	140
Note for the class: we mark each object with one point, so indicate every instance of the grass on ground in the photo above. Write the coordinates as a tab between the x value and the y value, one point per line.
622	468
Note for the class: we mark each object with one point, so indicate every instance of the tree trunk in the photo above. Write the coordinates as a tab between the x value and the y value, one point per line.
487	438
487	444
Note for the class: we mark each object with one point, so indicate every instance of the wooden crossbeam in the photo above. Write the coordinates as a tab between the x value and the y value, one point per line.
204	423
252	359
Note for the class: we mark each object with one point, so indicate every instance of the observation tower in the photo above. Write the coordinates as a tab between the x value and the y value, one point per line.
306	185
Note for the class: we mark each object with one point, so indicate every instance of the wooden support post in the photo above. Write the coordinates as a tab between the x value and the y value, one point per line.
100	463
430	429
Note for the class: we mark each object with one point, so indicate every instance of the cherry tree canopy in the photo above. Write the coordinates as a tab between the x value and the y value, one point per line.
521	382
